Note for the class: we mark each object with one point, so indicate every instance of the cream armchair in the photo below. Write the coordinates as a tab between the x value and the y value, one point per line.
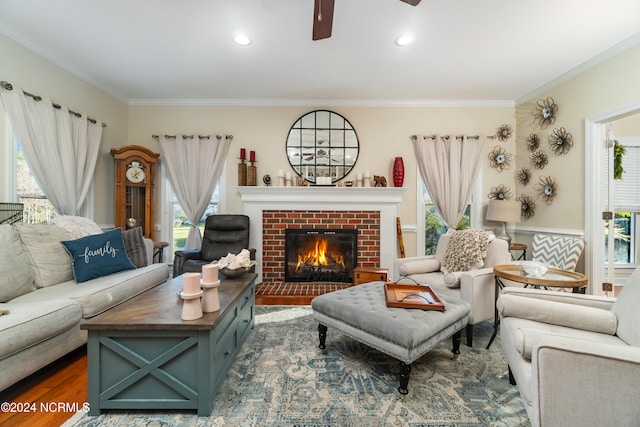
575	358
476	286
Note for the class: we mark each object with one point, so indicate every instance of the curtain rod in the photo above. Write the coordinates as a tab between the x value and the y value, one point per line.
193	136
457	136
8	86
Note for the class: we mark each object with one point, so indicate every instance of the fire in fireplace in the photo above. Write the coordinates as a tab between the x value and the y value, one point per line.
320	255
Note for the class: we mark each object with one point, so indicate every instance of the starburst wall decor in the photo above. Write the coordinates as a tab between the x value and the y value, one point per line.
547	188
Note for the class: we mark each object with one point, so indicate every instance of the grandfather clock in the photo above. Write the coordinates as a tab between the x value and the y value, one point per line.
135	187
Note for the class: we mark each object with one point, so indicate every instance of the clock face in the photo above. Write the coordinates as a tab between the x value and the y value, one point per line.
135	173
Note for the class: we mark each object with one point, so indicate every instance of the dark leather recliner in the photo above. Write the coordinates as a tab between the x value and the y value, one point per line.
223	234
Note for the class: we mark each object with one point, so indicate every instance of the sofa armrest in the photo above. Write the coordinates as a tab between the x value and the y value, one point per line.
586	382
594	301
557	313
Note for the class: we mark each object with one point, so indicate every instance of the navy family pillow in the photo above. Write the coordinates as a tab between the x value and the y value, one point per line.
98	255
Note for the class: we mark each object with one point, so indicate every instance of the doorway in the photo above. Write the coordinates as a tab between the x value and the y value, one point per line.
599	135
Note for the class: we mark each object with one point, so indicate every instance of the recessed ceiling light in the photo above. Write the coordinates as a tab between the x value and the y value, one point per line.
242	40
404	40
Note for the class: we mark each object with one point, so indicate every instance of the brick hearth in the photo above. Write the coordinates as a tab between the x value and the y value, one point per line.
281	293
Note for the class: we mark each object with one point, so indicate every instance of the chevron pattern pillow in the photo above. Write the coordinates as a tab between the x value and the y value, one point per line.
557	251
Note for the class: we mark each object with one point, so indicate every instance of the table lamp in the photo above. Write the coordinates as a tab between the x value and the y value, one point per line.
503	211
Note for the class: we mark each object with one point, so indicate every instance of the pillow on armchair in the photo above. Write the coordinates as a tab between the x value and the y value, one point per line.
466	250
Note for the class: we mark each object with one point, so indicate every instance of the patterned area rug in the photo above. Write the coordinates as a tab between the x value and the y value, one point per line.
281	378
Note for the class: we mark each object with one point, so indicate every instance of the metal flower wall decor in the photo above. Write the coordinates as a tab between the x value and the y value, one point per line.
547	188
560	141
533	142
504	132
545	112
499	158
527	206
501	192
524	176
538	159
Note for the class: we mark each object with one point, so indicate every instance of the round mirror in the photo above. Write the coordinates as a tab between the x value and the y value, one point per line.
322	144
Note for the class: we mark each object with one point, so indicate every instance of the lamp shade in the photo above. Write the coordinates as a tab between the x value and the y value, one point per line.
503	211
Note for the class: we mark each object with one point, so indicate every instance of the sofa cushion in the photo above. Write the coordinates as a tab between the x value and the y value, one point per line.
466	250
17	276
135	246
103	293
49	260
76	226
98	255
425	265
626	309
28	324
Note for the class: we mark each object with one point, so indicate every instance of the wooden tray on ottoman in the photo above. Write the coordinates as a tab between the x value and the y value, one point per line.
412	296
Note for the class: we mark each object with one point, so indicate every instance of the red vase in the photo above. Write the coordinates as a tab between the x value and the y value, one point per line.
398	172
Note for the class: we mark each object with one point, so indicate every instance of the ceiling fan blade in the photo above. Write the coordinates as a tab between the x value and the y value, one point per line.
322	19
412	2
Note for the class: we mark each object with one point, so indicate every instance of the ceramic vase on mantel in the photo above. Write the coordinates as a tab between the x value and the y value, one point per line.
398	172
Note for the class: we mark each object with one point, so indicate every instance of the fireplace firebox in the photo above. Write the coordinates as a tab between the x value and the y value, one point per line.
320	255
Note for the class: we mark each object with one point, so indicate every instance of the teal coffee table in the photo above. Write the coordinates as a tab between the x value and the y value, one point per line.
141	355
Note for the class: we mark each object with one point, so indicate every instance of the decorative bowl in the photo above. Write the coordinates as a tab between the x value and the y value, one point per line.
233	273
534	269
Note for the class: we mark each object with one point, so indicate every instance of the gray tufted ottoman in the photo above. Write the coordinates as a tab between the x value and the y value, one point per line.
405	334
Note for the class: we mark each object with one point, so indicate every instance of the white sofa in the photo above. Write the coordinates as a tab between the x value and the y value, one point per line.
41	302
476	286
575	358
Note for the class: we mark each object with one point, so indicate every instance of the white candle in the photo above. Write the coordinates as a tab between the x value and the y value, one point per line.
280	172
191	283
359	176
210	273
288	176
366	174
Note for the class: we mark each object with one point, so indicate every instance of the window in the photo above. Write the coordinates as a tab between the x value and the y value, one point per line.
434	227
430	227
176	226
181	223
626	204
37	209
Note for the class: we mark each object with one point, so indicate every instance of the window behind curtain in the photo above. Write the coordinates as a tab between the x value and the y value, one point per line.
181	223
37	208
434	226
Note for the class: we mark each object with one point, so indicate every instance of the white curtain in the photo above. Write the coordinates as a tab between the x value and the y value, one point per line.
449	166
194	165
61	148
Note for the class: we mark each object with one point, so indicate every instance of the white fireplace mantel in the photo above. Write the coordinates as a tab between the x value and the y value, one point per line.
385	200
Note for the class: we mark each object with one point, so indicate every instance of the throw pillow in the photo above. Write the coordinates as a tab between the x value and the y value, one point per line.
466	250
76	226
49	261
135	247
17	276
98	255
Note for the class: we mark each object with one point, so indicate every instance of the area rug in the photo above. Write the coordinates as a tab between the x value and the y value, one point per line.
281	378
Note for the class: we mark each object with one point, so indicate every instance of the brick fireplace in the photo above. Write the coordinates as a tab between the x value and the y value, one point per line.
274	224
370	210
